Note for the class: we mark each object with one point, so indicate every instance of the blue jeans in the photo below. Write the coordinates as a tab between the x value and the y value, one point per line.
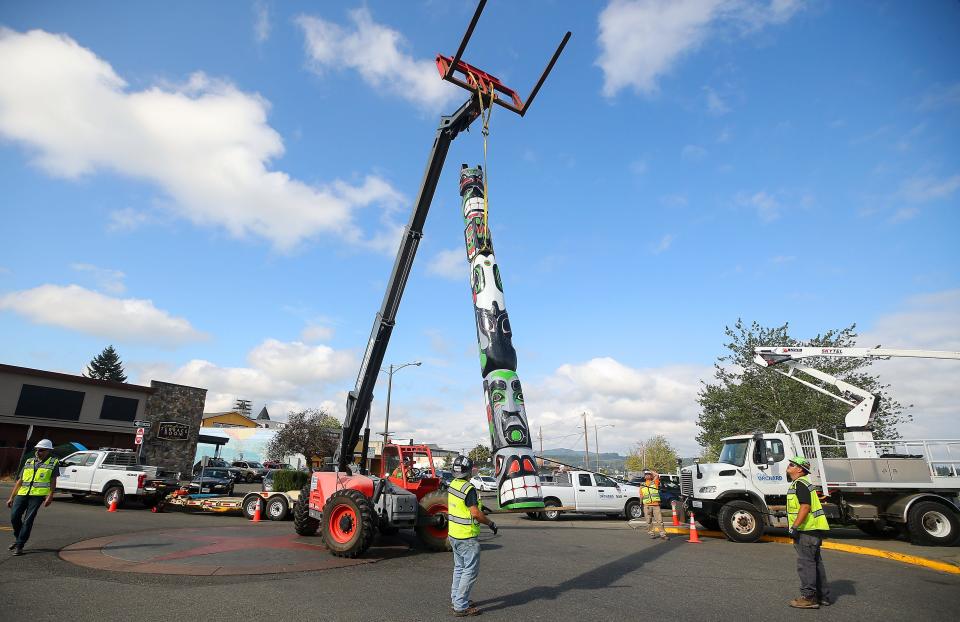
24	510
466	567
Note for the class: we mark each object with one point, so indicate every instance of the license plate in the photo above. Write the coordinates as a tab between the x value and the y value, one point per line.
204	490
697	504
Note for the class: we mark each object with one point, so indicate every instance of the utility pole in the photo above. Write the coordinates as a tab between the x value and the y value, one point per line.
586	443
540	436
596	444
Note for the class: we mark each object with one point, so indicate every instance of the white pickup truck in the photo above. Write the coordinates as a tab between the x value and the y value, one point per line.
589	493
115	474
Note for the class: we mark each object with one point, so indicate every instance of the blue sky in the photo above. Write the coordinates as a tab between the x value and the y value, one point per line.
217	190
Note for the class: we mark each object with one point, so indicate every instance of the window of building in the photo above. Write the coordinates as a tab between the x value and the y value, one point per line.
49	403
119	408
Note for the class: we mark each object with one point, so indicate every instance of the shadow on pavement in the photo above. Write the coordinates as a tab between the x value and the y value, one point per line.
598	578
843	587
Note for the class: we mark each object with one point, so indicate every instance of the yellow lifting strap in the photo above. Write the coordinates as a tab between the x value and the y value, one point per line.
486	133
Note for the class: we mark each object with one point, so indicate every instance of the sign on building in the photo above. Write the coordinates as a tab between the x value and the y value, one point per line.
173	431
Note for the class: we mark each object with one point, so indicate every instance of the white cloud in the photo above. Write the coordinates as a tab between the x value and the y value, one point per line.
643	40
925	189
904	214
110	281
261	21
118	319
767	207
450	264
127	219
299	363
377	53
316	332
715	104
665	242
206	144
693	153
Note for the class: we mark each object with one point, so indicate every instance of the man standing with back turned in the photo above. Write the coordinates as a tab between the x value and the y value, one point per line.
464	516
35	487
808	525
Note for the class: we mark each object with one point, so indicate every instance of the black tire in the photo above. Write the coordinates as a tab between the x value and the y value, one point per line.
535	515
349	523
434	537
633	510
549	514
303	523
277	507
740	522
877	530
933	524
111	493
250	503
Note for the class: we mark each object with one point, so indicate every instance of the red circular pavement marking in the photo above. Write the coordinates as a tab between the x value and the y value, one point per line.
219	551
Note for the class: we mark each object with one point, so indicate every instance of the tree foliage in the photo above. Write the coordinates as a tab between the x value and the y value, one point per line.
654	453
312	433
287	480
481	455
745	397
106	366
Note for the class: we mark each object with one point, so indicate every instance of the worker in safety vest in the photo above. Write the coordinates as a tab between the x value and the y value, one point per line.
35	487
464	515
650	496
808	526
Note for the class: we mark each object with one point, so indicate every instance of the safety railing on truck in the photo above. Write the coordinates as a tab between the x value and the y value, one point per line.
942	455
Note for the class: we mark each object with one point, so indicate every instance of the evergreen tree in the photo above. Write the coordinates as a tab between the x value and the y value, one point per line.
106	366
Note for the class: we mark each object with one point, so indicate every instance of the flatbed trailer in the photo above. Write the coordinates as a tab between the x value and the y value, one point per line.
273	505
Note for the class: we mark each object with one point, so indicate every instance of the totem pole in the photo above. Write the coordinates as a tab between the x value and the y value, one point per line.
518	484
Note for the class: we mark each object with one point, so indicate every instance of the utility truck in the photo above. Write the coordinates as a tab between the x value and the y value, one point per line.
114	474
884	487
588	493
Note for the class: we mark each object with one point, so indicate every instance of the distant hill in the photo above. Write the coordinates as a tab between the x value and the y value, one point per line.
609	460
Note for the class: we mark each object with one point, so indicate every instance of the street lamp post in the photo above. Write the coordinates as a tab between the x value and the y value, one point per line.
390	372
596	440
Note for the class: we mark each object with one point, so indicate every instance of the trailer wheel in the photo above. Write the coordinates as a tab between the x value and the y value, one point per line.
303	523
433	535
740	522
250	503
932	524
277	508
551	514
348	525
535	515
633	510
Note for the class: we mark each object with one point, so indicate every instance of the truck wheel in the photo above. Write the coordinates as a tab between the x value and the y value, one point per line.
433	535
932	524
348	523
303	523
740	522
551	514
277	508
633	510
113	493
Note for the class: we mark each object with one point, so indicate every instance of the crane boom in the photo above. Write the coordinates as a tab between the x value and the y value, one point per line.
765	356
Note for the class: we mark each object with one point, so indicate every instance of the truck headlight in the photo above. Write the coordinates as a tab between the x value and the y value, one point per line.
706	489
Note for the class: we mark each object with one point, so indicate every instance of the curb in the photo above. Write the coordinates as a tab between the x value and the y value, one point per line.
912	560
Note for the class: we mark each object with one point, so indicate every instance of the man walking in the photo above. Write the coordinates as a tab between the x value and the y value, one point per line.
808	526
650	495
464	516
34	488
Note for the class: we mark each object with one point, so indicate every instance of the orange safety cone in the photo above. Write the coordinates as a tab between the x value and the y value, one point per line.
676	518
256	513
113	506
693	531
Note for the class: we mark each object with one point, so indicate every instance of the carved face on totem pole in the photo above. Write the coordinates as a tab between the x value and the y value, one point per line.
505	409
495	340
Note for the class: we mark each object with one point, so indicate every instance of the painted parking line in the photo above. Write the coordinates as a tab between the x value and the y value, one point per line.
913	560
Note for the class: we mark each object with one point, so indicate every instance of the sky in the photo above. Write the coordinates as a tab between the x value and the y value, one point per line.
218	189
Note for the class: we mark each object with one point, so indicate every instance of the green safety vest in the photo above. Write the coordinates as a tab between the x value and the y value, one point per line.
649	493
816	520
460	523
37	476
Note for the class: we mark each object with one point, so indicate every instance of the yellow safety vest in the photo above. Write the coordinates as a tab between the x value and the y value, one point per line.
460	523
37	476
650	493
816	520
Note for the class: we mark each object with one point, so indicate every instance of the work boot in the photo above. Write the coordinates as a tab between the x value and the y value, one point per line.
805	602
18	550
470	603
824	602
469	611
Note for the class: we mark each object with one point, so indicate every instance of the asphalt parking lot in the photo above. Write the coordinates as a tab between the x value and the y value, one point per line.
578	568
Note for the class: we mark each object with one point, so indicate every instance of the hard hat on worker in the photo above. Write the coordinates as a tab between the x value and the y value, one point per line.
801	462
462	465
647	472
44	444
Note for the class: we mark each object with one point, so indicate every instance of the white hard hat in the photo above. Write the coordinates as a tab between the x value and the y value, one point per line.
44	444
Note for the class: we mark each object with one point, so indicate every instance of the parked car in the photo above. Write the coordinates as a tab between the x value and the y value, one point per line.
215	480
116	475
249	471
273	464
484	483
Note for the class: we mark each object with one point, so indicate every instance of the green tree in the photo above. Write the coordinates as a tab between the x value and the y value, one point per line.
311	433
106	366
654	453
745	397
480	455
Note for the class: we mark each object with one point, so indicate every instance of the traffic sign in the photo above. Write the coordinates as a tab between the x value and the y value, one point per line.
138	440
142	424
140	431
